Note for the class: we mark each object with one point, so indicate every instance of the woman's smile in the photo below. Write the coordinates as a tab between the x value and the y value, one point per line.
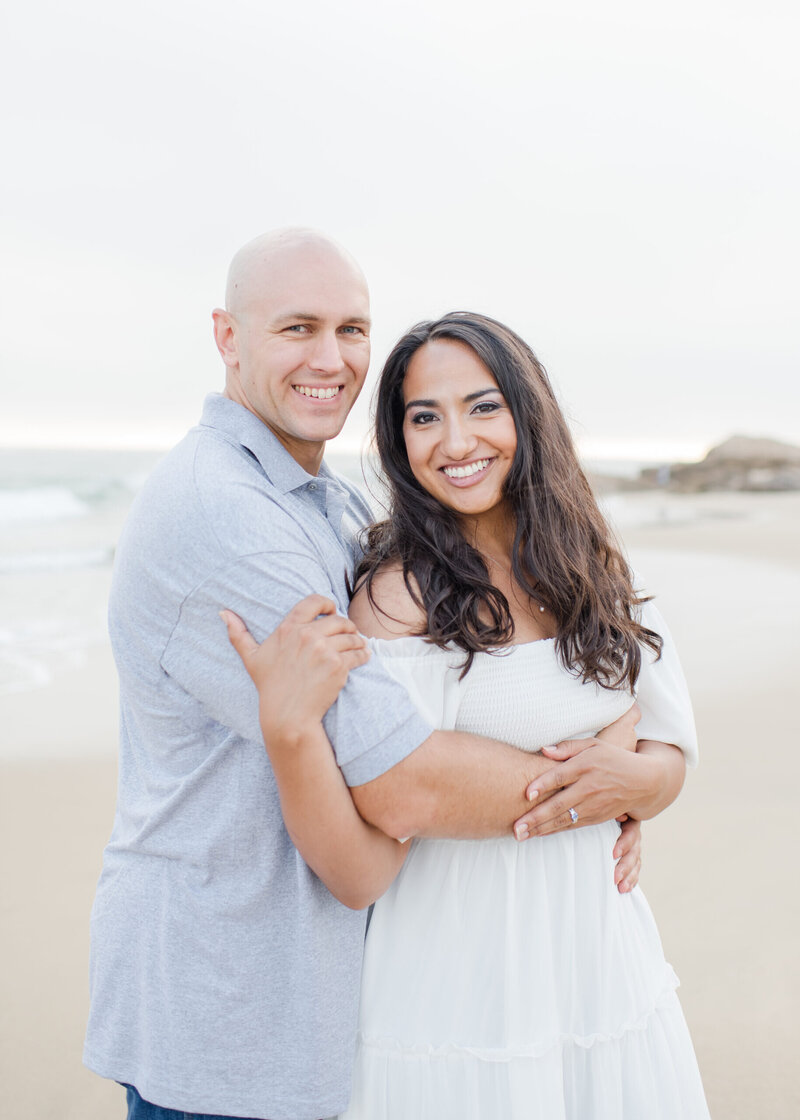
467	474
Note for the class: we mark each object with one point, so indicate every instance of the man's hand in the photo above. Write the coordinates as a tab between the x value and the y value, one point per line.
301	667
622	732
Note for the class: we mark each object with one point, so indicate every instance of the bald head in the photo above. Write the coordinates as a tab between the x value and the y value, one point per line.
294	337
264	265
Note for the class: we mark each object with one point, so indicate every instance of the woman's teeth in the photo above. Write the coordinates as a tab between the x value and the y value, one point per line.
323	394
465	472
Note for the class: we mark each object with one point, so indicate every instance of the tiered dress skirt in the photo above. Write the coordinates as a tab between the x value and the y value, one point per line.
512	981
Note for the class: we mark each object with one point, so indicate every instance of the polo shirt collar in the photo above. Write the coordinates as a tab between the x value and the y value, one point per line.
241	425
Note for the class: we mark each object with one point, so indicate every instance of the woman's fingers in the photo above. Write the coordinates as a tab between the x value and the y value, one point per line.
628	854
240	637
568	749
309	608
318	614
598	784
552	780
306	660
352	658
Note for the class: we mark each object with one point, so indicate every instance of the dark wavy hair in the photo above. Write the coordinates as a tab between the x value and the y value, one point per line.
564	553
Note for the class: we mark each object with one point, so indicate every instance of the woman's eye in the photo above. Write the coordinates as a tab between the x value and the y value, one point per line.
486	406
422	418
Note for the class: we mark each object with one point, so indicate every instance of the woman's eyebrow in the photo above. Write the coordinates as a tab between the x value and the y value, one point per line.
467	400
481	393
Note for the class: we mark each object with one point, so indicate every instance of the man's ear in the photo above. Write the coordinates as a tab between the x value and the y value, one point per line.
225	337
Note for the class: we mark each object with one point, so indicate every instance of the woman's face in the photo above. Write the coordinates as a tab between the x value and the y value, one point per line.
459	432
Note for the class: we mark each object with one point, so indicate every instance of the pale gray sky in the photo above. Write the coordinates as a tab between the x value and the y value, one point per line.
618	182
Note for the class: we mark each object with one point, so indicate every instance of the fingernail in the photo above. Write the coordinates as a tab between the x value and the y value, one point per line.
521	831
532	794
224	616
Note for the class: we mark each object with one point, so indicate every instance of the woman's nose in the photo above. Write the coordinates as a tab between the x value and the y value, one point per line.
458	440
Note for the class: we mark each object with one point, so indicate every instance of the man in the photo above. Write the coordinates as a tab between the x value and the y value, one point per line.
224	975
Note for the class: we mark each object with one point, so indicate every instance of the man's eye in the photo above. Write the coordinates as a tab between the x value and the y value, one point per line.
298	328
352	330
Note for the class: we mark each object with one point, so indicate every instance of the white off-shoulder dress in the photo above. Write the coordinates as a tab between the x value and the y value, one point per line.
505	981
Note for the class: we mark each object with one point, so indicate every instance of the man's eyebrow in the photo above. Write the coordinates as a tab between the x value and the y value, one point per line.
309	317
467	400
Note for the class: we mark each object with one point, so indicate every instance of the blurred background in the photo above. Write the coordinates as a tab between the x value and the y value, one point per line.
619	183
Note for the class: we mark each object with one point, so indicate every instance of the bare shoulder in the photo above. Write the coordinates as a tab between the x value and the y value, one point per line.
390	612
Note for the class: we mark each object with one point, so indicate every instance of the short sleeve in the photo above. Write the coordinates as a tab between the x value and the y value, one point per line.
662	693
373	725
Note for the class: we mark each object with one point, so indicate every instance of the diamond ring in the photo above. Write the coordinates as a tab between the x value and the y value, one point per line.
573	816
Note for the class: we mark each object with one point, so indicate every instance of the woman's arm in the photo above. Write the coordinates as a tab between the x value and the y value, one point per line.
355	860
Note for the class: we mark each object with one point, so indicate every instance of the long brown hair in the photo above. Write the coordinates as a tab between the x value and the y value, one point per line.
564	554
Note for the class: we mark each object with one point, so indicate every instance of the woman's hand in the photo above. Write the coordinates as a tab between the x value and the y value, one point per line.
596	782
628	854
601	783
300	669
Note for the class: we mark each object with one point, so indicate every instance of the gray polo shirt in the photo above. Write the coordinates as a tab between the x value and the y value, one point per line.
224	975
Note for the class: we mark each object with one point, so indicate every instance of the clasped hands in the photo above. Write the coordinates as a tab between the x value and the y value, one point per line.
302	666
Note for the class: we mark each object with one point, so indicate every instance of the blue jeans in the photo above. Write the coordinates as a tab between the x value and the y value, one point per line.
139	1109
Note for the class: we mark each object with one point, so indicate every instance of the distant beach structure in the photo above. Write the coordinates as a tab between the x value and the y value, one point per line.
740	463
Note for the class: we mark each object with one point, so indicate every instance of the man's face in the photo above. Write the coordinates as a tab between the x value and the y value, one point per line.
297	347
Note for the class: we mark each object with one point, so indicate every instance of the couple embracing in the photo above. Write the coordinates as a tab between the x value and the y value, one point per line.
511	967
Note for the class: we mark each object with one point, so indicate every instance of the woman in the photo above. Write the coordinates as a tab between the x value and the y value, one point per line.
508	980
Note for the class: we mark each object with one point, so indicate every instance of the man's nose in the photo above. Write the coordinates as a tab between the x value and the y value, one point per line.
326	355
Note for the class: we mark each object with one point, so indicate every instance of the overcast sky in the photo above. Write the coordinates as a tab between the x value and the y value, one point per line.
618	182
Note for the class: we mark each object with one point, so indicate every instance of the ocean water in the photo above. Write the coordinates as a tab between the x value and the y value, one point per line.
60	515
61	512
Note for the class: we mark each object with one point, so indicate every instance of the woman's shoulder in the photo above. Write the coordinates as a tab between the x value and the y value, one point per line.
388	609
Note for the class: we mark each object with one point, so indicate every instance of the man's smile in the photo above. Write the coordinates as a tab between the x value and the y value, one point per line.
321	392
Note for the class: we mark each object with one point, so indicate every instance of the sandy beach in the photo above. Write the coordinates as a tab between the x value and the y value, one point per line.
719	864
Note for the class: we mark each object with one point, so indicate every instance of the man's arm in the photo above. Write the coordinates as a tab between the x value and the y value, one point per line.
461	785
453	785
372	724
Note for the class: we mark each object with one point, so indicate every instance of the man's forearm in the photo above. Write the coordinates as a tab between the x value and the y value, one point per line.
454	785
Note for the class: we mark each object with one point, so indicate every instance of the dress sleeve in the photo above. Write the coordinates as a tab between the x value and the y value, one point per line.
429	675
662	693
